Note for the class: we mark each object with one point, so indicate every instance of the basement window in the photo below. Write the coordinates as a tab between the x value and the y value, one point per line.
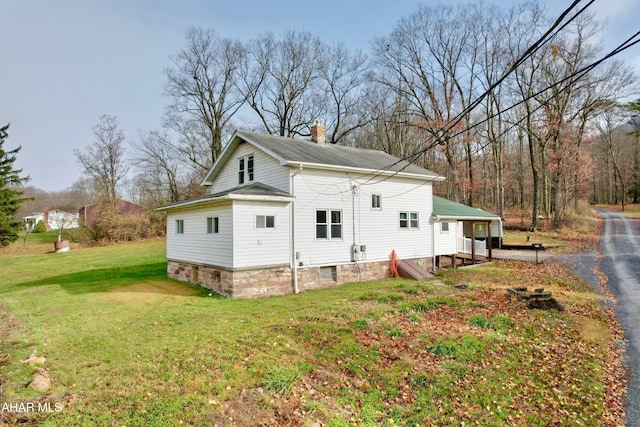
328	273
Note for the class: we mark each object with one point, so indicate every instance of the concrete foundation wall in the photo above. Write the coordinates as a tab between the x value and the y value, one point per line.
278	280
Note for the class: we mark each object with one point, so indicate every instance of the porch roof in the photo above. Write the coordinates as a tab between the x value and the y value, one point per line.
446	209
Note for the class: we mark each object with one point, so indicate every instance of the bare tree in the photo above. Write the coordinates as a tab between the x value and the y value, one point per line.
205	96
426	60
160	163
343	77
104	160
280	82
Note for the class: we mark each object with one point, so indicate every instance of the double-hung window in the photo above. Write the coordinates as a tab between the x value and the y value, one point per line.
245	169
328	224
376	201
212	225
409	220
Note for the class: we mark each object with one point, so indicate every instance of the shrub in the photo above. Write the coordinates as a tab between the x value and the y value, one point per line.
113	227
40	227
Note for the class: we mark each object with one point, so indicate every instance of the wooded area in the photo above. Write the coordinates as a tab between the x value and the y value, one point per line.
517	109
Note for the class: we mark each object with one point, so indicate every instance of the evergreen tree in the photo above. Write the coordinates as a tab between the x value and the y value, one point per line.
10	198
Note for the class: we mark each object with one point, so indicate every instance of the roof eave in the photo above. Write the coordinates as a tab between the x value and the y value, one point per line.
377	172
467	218
225	198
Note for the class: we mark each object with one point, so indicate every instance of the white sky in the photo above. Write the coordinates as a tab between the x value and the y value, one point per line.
64	63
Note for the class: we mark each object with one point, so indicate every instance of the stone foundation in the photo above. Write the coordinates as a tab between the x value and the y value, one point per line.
272	281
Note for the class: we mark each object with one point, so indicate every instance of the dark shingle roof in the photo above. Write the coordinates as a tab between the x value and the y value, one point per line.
290	150
447	208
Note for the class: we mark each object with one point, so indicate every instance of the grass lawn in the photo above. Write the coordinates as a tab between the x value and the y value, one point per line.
126	346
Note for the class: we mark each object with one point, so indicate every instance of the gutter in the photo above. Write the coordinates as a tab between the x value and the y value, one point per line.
366	172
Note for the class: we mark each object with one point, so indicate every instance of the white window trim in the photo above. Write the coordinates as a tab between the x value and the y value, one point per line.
409	220
247	177
448	230
179	226
379	202
255	222
215	224
328	224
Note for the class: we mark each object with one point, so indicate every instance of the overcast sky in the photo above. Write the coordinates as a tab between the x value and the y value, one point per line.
64	63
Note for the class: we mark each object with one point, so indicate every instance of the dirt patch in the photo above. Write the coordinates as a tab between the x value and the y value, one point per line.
592	330
151	292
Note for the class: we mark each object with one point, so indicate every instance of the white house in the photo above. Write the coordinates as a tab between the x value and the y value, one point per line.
286	215
53	219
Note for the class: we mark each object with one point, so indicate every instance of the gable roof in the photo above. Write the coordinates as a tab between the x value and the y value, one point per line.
298	152
446	209
254	191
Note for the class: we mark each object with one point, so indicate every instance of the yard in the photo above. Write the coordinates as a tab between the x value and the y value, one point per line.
126	346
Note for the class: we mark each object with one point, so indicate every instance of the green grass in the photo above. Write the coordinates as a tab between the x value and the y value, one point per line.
126	346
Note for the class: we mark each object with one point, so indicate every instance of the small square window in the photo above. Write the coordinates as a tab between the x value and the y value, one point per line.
265	221
179	226
212	225
444	227
376	201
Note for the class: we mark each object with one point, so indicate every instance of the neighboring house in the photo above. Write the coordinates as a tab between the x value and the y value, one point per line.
54	219
89	213
464	230
286	215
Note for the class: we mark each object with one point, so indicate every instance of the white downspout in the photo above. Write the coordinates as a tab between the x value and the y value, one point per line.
294	261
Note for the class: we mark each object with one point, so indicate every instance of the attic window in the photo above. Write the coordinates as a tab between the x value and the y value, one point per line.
245	169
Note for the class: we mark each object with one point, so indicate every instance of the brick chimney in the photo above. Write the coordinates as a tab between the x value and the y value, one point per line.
318	133
46	218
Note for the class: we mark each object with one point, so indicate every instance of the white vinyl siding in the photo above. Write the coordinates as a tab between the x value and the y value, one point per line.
377	229
195	244
255	246
266	170
447	241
